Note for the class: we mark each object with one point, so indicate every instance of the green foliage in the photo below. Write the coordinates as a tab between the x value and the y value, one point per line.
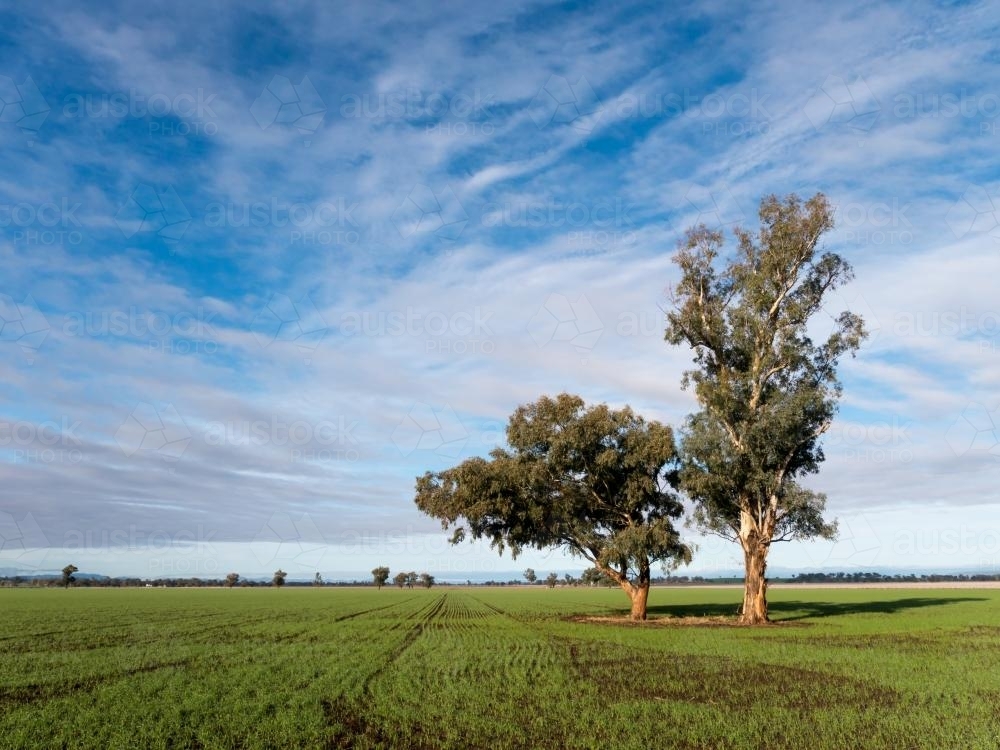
232	579
279	578
595	481
380	575
67	575
400	579
595	577
530	576
551	580
426	580
767	391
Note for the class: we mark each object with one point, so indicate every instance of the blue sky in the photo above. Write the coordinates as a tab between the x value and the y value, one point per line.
263	267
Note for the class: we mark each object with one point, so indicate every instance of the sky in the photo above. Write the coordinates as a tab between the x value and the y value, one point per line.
264	266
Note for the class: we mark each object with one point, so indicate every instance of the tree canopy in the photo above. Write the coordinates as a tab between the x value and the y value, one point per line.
595	481
67	575
766	390
380	575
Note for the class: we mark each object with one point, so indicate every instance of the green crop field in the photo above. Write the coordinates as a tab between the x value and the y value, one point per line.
496	668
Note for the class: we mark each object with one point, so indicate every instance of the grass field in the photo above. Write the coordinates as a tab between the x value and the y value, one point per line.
497	668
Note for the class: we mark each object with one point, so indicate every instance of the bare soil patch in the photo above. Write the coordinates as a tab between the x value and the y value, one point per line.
713	621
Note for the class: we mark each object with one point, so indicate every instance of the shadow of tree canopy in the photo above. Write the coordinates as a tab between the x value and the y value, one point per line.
789	611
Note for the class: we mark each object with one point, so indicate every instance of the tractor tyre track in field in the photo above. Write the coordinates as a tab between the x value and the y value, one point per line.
492	608
408	640
349	713
117	625
352	615
23	695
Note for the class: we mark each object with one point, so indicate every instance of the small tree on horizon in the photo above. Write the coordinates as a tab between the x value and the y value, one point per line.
67	575
426	580
380	576
232	579
318	580
400	579
411	579
551	580
594	577
530	576
279	578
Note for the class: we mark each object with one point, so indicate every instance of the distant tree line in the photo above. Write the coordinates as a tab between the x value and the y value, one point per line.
409	579
279	579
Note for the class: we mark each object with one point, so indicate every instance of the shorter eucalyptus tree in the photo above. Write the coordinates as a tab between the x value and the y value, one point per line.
597	482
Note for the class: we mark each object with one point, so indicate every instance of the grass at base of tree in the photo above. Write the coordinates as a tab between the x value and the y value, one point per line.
496	668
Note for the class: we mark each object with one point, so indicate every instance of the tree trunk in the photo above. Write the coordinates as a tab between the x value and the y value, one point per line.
639	595
638	592
754	610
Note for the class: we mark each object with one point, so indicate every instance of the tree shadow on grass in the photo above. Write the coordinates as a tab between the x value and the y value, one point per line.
789	611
